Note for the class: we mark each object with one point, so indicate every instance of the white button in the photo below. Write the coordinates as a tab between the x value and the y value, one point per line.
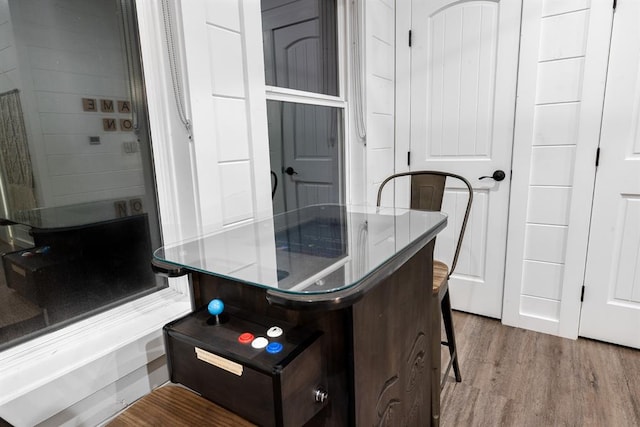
274	332
260	342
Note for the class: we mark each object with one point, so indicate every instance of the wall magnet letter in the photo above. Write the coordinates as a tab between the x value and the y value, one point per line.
89	104
106	106
109	125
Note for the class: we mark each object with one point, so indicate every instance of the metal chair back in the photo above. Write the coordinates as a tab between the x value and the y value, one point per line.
427	192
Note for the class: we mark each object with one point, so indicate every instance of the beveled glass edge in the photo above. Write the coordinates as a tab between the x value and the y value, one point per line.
355	208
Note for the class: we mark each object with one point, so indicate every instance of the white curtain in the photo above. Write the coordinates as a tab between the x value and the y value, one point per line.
15	162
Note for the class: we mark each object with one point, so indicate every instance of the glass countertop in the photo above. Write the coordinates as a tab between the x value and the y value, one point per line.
314	250
75	215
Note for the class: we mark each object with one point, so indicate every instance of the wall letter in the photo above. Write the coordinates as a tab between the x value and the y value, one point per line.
109	125
106	106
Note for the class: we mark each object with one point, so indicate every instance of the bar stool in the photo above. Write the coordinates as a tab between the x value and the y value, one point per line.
427	191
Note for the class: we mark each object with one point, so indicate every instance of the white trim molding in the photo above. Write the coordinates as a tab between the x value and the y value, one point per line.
50	374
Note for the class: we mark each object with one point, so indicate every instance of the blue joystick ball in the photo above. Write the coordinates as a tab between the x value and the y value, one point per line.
215	307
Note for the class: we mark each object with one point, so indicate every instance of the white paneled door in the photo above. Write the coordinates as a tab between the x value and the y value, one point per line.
464	60
611	307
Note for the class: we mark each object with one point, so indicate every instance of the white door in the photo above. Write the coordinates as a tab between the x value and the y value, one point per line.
463	82
611	307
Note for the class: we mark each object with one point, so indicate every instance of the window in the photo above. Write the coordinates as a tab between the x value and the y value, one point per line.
78	203
305	107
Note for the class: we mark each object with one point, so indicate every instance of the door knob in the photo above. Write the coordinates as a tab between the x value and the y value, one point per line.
498	175
290	171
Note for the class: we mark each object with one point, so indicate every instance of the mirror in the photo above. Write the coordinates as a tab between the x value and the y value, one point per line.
78	215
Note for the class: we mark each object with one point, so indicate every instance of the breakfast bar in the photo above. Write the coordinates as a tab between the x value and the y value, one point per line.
319	316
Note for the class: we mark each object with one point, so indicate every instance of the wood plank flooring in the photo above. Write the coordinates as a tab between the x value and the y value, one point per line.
515	377
176	406
510	377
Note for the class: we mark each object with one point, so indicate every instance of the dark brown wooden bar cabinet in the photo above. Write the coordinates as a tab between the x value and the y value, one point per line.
347	290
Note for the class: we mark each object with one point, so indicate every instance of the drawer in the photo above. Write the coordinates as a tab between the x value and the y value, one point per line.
277	385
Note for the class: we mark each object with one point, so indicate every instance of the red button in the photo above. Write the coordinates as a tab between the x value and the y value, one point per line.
245	338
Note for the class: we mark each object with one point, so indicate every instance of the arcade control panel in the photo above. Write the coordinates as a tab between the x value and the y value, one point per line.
267	371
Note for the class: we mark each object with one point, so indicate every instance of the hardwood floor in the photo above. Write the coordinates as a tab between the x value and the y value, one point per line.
510	377
515	377
176	406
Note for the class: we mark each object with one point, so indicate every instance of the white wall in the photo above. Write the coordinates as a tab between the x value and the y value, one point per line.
563	58
9	77
70	50
379	89
224	60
